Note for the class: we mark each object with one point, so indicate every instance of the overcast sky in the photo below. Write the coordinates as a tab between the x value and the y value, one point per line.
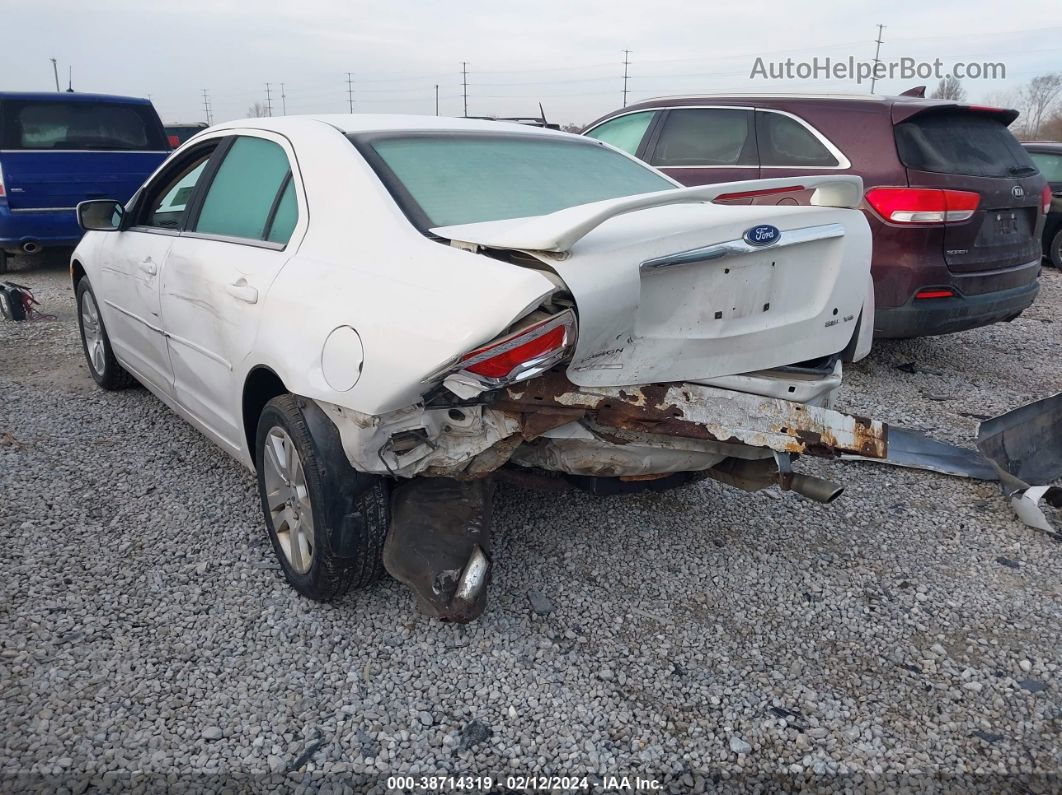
567	54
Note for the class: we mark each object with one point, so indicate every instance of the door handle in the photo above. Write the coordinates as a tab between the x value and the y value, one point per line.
149	267
242	291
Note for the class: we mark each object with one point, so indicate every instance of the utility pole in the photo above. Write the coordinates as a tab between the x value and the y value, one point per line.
436	99
55	71
283	102
206	108
269	102
877	52
464	84
350	92
626	63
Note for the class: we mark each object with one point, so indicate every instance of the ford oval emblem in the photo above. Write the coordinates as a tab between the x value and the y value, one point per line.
762	235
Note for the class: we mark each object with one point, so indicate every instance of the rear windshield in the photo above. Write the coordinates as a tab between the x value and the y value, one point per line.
54	124
442	179
961	143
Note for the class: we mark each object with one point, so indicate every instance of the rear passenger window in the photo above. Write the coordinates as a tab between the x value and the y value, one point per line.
286	216
784	141
705	137
624	132
247	191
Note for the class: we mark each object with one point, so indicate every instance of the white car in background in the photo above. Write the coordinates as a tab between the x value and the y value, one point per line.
376	313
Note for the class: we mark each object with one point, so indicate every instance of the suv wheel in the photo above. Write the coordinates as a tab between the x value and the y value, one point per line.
97	345
301	521
1054	253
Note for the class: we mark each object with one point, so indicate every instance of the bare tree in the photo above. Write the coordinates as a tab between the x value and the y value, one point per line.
571	127
949	88
1040	98
256	111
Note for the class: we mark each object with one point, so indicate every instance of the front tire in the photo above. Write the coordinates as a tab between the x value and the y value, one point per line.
304	527
105	370
1054	251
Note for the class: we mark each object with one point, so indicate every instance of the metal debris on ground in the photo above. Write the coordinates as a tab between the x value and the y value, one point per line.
1021	449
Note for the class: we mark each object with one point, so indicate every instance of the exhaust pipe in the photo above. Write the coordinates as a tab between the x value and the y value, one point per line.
818	489
31	247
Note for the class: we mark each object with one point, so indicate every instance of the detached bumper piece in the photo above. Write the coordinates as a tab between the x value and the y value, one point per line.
439	545
697	412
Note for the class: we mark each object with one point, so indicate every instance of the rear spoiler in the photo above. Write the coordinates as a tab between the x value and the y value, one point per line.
902	111
561	230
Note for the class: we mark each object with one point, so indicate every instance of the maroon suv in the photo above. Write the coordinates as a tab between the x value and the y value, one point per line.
955	204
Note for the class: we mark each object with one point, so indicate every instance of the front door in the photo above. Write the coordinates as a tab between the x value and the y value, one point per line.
219	269
132	264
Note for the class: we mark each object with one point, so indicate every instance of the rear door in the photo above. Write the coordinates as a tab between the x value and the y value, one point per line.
705	145
960	149
247	225
61	152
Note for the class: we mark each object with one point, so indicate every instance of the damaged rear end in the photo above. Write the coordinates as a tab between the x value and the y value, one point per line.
681	337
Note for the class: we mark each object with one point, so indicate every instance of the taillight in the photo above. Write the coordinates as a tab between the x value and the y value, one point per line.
524	354
1	180
932	292
1047	197
923	205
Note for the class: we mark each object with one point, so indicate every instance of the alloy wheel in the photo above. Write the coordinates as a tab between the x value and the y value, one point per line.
288	499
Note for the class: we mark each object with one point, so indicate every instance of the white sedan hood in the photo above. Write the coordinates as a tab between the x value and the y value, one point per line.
673	292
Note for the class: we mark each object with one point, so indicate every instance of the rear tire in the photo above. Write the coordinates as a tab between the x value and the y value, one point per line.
3	262
1054	252
102	365
300	517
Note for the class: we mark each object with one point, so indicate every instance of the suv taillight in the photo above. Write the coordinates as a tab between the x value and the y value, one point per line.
1	182
923	205
1047	197
524	354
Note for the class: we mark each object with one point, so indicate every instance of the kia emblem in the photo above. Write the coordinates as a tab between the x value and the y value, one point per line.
1017	191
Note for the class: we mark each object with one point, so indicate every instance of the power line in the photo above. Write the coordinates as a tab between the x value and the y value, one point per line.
206	107
269	102
350	92
877	60
626	63
464	84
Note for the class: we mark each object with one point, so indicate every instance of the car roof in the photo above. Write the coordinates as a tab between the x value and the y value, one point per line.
71	96
380	122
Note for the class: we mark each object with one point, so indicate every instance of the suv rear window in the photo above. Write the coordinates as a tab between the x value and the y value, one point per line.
961	143
54	124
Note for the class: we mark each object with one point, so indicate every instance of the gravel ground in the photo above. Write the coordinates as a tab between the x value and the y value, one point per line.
701	637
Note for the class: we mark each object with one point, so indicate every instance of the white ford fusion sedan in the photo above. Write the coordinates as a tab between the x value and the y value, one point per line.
382	315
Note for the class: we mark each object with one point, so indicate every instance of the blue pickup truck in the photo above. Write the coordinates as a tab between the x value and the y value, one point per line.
58	149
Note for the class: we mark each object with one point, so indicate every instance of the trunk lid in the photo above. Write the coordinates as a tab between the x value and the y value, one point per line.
959	148
676	293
